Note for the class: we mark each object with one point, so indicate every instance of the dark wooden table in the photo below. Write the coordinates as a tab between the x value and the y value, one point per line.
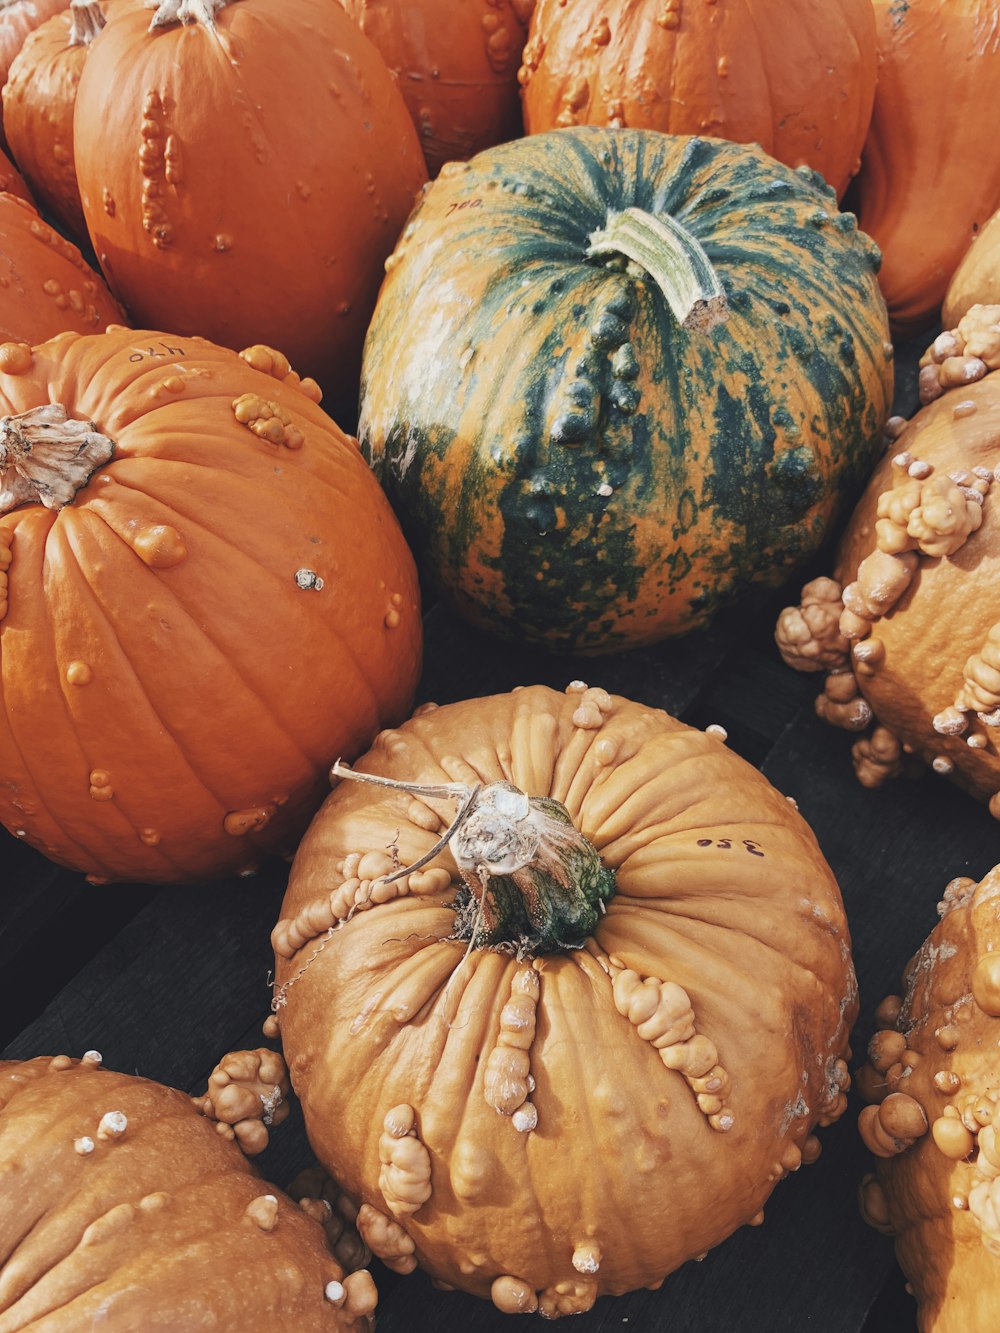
164	980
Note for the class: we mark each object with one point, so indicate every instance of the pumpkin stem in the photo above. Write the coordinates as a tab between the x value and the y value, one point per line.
86	21
45	457
184	11
672	257
534	884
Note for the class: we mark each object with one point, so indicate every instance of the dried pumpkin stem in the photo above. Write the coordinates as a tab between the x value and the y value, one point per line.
86	21
169	12
46	457
672	257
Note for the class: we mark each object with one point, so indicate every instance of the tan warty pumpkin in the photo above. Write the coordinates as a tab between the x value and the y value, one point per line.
204	598
934	1074
909	627
577	1042
123	1209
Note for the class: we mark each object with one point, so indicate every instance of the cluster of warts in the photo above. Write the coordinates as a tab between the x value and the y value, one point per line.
247	1093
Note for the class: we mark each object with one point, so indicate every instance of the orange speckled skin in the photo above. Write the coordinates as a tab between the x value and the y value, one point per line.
976	281
280	164
45	285
177	1252
387	1013
17	19
925	183
206	691
798	77
456	62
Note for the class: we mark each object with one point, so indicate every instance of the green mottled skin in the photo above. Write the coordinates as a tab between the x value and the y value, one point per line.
572	466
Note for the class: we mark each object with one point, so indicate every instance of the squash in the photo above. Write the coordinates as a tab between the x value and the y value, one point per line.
11	181
569	964
125	1209
38	103
277	166
909	627
796	77
456	62
47	285
925	184
976	281
933	1076
645	371
17	19
205	599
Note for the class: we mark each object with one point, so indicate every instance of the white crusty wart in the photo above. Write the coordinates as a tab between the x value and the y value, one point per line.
46	457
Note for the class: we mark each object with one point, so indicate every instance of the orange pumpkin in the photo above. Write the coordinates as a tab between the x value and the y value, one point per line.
10	179
17	19
456	62
620	989
926	185
126	1210
38	103
205	599
47	286
933	1073
976	281
730	70
276	169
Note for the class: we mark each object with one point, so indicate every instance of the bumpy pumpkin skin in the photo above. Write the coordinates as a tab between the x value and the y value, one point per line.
456	62
47	286
215	617
11	181
936	1186
159	1223
268	167
925	184
17	19
573	467
720	889
797	77
976	281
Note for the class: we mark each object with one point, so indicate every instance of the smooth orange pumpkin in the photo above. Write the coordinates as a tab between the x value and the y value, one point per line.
17	19
796	77
976	281
124	1209
933	1074
926	184
621	990
276	167
456	62
205	599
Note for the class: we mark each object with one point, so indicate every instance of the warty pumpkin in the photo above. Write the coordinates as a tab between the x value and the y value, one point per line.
795	76
46	286
456	62
643	373
10	179
205	599
933	1076
926	184
39	98
909	627
578	1041
124	1209
274	167
17	19
976	281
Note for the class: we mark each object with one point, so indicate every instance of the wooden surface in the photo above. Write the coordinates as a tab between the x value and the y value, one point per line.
163	981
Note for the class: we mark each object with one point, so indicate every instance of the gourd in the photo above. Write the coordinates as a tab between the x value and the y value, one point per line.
272	168
933	1077
38	103
48	288
925	184
125	1209
456	65
205	599
796	77
10	179
645	372
563	995
909	627
17	19
976	281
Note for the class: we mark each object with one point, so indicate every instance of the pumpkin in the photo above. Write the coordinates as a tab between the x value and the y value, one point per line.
925	184
933	1076
562	996
644	371
17	19
277	166
456	64
976	281
726	70
10	179
47	285
909	627
38	103
124	1209
206	599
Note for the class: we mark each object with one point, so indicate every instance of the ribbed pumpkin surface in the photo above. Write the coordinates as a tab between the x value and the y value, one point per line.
572	465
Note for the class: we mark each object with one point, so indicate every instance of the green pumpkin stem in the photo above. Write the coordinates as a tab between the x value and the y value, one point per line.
672	257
